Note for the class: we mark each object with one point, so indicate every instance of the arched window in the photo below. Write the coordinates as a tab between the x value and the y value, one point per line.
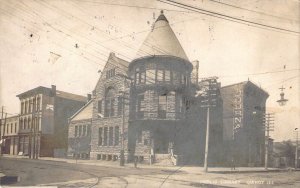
21	124
110	95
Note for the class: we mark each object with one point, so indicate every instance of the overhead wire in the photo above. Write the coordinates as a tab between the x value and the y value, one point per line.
228	18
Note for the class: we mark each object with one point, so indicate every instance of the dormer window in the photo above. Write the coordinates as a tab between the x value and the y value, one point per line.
110	73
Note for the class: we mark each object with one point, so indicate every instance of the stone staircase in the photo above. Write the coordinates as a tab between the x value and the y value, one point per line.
163	160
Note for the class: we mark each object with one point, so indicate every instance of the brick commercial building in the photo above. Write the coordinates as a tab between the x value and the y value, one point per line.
244	106
43	121
9	135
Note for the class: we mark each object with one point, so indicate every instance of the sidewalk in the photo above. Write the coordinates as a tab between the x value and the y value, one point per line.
187	169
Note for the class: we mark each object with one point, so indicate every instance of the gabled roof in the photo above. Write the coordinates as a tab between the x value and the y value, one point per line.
121	64
244	83
161	41
86	112
70	96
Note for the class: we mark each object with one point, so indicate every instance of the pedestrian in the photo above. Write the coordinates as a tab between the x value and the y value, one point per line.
135	161
232	164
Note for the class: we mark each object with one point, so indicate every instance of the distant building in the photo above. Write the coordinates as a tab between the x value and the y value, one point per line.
9	134
244	106
79	136
43	120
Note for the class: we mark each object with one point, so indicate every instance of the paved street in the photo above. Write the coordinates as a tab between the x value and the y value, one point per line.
65	173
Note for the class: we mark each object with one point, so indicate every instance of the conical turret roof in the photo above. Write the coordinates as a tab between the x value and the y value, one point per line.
161	41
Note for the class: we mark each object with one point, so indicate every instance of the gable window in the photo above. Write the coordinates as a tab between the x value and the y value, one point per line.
109	103
110	73
100	106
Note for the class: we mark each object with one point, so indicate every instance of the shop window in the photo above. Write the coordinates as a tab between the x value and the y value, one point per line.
117	135
76	131
88	130
105	136
110	136
84	130
100	132
80	130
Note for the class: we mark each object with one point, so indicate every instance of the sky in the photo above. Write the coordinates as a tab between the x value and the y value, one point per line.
66	42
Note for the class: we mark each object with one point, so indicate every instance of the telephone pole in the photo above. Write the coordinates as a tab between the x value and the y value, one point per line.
1	130
123	93
296	152
268	126
210	99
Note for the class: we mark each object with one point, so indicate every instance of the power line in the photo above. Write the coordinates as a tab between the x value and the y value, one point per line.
259	12
260	73
226	17
130	6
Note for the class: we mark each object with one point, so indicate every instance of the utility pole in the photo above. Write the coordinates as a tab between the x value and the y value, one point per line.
296	152
269	126
209	102
4	126
122	154
1	130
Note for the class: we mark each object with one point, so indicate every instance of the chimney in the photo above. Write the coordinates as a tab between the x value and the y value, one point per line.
53	90
89	97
